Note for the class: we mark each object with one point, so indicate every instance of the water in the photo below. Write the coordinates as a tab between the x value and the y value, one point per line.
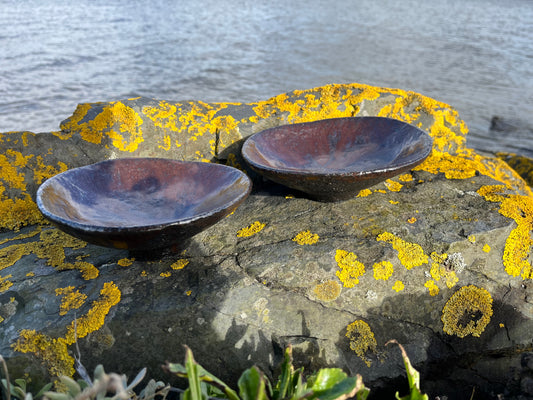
476	55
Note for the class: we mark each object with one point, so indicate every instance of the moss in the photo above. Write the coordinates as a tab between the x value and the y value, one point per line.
251	230
306	237
467	312
327	291
362	340
410	254
350	268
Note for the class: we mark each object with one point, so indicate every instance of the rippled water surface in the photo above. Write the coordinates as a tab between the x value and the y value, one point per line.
476	55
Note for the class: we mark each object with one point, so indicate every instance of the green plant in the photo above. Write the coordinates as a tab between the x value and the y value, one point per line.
18	389
413	377
327	384
102	387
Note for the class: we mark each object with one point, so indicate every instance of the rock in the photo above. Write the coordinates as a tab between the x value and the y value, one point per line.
438	259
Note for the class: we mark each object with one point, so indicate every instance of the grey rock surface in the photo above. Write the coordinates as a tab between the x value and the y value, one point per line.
437	259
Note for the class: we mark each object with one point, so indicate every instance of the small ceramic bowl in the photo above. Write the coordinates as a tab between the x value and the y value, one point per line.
141	203
333	159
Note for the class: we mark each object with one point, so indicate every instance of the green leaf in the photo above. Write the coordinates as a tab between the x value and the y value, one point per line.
206	377
327	378
341	390
252	385
137	379
99	372
413	377
285	378
21	383
45	388
177	369
195	389
18	392
72	386
57	396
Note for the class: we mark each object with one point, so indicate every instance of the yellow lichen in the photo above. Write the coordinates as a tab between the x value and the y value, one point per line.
383	270
486	248
432	287
126	262
438	271
179	264
350	268
472	238
72	299
467	312
115	114
362	340
398	286
5	284
327	291
518	244
251	230
306	237
165	274
412	220
394	202
364	193
53	352
50	246
393	186
405	178
410	254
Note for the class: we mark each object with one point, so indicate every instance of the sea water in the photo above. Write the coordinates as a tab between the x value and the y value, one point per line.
476	55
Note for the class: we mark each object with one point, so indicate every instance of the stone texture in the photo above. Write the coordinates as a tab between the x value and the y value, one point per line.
438	259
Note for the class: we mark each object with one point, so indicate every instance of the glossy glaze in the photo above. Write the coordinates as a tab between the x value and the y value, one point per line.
333	159
141	203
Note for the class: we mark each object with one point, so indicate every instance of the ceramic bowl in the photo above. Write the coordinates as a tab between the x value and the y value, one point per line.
141	203
333	159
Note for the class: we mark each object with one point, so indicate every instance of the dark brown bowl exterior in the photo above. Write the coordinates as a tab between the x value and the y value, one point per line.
141	203
333	159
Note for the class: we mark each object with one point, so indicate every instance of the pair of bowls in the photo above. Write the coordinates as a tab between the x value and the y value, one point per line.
151	203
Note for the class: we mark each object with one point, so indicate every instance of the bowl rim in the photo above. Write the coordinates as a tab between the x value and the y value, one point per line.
91	228
428	147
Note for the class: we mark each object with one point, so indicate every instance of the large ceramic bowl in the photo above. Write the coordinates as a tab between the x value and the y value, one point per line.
141	203
333	159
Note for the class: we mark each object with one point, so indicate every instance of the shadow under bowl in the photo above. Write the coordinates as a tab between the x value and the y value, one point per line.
141	203
333	159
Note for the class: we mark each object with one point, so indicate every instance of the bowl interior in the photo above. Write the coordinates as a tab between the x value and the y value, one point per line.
139	192
343	145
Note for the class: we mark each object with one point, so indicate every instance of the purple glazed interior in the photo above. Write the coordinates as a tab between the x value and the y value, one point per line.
121	200
332	159
340	145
